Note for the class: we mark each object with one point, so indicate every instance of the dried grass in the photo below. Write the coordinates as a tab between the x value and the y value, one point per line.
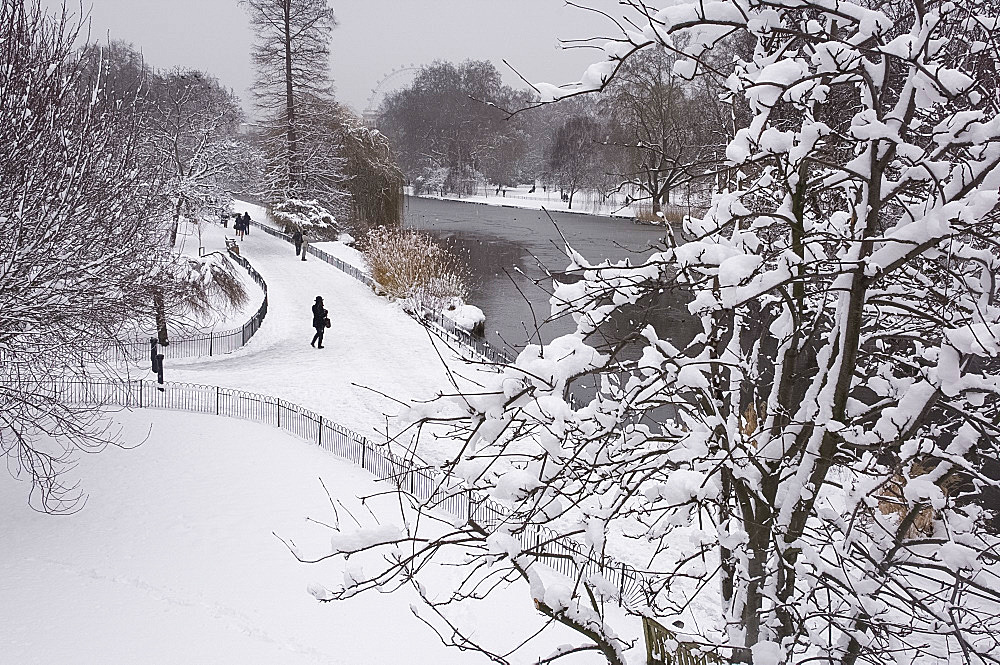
412	266
670	214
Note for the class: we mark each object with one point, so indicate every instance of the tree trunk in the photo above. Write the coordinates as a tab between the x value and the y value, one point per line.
177	221
290	133
161	317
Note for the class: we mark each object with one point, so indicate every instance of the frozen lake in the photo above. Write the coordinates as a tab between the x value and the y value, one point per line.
507	249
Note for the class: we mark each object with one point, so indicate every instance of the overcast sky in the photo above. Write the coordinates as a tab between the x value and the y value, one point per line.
374	37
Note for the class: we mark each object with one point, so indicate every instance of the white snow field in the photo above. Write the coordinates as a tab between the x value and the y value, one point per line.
173	560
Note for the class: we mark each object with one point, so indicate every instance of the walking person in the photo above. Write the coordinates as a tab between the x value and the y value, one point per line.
321	321
238	226
297	239
305	244
246	222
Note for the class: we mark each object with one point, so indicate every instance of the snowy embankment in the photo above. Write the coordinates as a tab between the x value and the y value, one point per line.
173	560
520	198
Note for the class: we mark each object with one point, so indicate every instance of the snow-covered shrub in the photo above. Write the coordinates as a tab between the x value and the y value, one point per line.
207	284
467	317
300	215
412	266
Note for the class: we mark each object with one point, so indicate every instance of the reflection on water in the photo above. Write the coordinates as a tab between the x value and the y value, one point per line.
508	250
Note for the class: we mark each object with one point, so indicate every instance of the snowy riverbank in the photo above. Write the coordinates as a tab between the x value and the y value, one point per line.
521	198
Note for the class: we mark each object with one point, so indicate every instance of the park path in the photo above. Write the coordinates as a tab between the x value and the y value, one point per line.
375	353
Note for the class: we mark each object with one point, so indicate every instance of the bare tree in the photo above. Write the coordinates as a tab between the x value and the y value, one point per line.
667	130
78	253
373	178
292	57
802	482
575	156
452	120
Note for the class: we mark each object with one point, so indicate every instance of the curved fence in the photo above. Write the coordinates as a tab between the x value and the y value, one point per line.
434	320
429	486
207	344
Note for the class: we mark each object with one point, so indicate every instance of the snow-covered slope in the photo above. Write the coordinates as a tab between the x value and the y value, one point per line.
173	560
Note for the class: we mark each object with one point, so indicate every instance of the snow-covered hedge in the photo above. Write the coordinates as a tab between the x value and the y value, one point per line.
298	215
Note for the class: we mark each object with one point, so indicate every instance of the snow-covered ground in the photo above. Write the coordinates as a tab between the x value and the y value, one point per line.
584	202
374	352
210	237
519	197
173	560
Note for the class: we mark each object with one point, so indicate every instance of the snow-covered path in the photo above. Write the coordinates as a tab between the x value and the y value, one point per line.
373	348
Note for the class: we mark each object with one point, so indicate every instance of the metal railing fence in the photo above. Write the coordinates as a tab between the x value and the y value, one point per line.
207	344
431	487
663	647
434	320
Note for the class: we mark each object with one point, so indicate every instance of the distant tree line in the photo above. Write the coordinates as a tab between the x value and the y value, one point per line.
656	130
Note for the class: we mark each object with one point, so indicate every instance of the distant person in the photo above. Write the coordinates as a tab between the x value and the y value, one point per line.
321	321
246	222
238	226
297	239
305	244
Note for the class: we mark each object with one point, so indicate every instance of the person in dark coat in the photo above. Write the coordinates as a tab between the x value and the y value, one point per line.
238	226
246	222
297	239
319	321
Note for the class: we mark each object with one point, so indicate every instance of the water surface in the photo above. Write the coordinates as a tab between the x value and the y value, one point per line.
509	251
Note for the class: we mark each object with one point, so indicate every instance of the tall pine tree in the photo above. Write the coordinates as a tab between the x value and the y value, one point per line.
292	56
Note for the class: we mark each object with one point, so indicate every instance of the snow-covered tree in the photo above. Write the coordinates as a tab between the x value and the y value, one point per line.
803	481
193	125
292	58
669	132
298	215
77	252
575	156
